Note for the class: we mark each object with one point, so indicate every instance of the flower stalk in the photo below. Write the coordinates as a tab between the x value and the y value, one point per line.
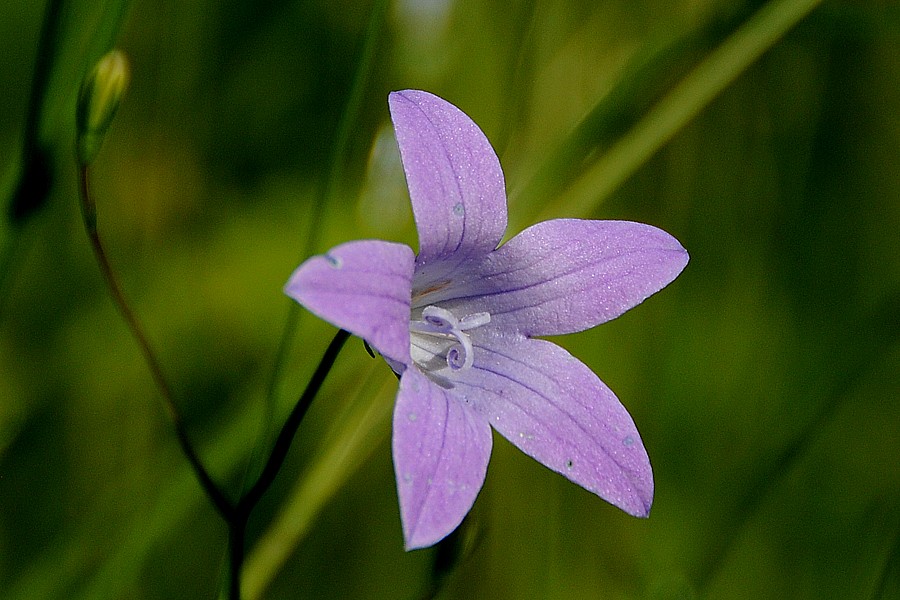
96	113
239	517
235	515
89	214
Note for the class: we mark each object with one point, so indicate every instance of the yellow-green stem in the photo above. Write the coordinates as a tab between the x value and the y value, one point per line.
677	108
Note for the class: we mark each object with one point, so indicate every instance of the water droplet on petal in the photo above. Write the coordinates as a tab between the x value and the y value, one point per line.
412	416
407	477
628	441
333	261
458	209
570	464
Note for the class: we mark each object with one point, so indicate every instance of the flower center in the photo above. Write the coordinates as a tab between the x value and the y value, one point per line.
440	334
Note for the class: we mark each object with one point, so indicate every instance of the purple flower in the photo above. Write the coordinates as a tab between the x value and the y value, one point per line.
459	324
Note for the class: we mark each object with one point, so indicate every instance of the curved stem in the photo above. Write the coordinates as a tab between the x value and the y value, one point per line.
289	429
236	516
237	521
332	179
89	214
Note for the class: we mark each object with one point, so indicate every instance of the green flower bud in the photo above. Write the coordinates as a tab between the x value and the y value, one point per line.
101	92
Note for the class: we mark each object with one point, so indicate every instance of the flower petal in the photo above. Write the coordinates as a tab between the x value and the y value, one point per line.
441	451
553	408
454	177
567	275
363	287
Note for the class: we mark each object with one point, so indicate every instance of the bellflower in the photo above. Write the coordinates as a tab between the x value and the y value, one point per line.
459	324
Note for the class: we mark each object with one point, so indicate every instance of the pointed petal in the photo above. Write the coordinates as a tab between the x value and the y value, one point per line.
441	451
363	287
568	275
553	408
455	180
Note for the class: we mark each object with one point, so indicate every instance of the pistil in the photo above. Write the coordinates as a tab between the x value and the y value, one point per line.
440	324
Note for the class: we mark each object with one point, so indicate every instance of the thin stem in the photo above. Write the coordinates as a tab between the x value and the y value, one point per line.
450	553
356	434
238	518
332	180
282	443
517	85
43	62
35	175
88	209
289	429
237	529
684	102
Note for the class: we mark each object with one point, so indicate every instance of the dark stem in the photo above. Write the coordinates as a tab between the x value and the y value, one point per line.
282	443
330	184
289	429
35	173
236	533
451	552
34	182
42	65
222	504
236	516
237	523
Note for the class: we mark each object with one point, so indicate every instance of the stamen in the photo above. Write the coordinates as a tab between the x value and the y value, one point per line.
417	296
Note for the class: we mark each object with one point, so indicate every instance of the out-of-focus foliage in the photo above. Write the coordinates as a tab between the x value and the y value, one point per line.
764	381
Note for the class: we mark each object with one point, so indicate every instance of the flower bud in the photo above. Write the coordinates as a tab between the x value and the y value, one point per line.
101	92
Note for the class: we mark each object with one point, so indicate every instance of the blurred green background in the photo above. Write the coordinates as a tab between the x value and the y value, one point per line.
764	380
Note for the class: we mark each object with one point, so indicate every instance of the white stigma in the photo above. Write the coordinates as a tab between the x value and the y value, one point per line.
444	334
